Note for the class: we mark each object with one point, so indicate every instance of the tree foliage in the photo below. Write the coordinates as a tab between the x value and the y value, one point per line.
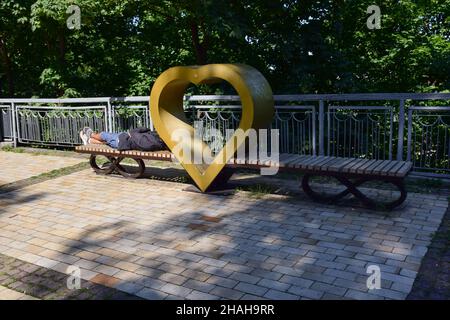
300	46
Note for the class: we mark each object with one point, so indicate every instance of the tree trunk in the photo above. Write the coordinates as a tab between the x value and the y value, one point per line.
61	57
199	47
62	48
8	67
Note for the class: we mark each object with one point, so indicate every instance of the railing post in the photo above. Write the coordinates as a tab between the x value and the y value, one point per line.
321	128
314	134
149	116
401	130
109	121
2	130
14	124
408	153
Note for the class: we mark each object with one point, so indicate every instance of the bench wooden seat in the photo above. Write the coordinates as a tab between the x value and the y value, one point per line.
103	149
351	172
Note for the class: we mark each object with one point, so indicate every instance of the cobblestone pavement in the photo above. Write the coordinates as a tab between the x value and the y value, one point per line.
18	166
433	280
151	239
8	294
25	281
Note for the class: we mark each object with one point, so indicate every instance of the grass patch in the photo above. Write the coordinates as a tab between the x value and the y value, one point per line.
258	190
12	149
42	152
61	172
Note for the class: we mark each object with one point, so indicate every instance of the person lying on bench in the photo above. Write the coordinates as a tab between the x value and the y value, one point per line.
136	139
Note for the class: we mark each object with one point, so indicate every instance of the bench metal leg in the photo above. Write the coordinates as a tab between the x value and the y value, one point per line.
352	187
126	172
114	165
107	168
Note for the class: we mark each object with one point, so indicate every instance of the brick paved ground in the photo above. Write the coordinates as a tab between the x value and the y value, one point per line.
8	294
18	166
25	281
433	280
151	239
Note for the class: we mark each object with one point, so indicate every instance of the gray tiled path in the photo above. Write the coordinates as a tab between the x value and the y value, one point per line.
151	239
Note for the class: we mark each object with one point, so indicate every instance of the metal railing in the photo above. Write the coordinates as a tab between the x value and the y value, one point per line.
403	126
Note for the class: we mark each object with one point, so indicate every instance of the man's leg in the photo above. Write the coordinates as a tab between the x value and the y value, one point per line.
109	138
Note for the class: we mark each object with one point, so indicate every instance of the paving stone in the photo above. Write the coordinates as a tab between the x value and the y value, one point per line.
129	287
390	294
105	280
175	290
340	274
227	293
150	294
297	281
358	295
223	282
324	287
306	293
244	277
252	297
251	288
198	285
110	271
279	295
401	287
198	295
318	277
271	284
173	278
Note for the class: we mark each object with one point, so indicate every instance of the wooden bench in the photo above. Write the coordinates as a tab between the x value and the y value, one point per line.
351	172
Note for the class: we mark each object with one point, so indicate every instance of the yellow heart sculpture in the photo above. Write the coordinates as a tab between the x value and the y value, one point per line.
166	108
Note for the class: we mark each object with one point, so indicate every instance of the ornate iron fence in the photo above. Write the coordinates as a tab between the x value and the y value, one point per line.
429	138
6	119
375	126
59	126
360	131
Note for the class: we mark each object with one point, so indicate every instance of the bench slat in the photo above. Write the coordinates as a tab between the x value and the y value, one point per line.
291	162
360	164
324	161
397	167
348	166
380	168
284	162
339	164
323	165
388	168
363	167
303	164
317	160
375	164
404	169
297	163
357	165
